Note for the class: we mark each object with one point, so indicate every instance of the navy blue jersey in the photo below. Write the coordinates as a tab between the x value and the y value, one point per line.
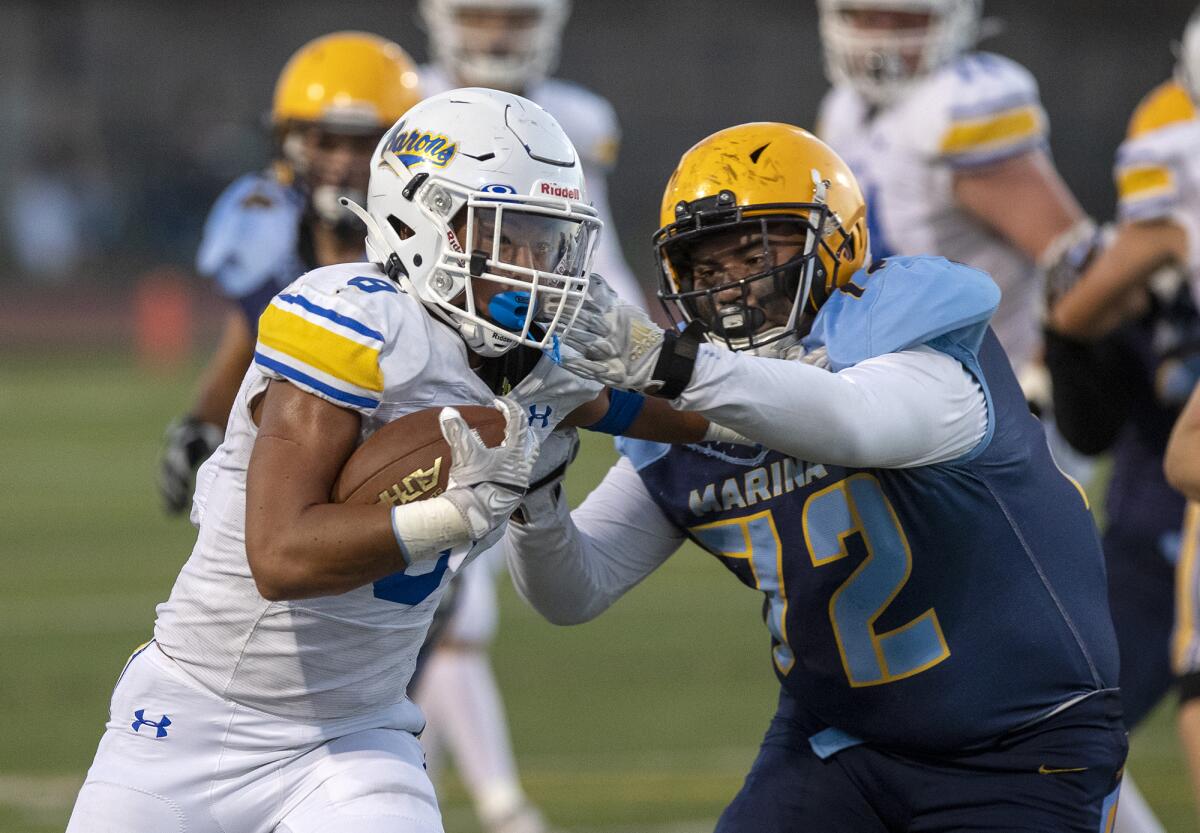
931	608
1163	352
251	243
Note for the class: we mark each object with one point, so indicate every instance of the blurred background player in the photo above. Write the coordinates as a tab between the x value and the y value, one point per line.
333	101
510	45
513	45
946	141
1123	346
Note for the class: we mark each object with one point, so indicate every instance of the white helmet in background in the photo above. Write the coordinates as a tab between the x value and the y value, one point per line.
1187	70
477	207
882	61
506	44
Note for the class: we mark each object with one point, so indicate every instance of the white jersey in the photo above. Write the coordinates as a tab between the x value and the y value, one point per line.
348	335
977	110
591	124
1158	168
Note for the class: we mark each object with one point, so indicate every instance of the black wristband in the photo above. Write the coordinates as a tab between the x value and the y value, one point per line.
677	359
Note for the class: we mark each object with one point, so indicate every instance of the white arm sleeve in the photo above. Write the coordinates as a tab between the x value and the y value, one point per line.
571	566
916	407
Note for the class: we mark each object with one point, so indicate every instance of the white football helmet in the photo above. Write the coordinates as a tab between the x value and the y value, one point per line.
882	63
515	50
477	207
1187	69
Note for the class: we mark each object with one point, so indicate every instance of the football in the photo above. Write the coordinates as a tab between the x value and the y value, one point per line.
409	459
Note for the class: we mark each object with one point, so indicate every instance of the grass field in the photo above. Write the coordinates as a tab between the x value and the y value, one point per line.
644	720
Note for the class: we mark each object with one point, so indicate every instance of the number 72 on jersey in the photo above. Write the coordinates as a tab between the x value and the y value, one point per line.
854	505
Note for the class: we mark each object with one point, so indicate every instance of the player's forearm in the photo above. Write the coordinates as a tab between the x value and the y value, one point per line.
894	411
572	572
324	550
549	565
1104	297
222	377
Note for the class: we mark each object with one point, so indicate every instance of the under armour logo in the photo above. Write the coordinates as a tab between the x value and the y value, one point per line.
544	416
160	726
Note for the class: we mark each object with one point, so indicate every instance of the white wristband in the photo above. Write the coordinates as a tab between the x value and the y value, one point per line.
720	434
427	528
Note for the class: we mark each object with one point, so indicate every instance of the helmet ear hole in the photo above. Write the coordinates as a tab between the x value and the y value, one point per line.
402	229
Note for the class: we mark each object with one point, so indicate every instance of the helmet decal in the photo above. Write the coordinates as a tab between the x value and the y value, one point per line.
416	146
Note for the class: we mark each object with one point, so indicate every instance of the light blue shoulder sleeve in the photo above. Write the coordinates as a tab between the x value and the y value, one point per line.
904	302
251	236
641	453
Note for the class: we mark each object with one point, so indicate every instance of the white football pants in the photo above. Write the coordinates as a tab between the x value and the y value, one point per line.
176	757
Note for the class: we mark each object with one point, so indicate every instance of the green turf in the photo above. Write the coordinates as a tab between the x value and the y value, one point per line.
645	719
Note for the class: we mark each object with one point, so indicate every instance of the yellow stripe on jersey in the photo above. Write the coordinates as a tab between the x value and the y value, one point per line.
994	131
1165	105
317	347
1142	181
1184	637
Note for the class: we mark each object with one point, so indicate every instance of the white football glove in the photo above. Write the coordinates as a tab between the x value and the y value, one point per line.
615	343
487	484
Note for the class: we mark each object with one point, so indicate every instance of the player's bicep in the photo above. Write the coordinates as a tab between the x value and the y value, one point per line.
302	443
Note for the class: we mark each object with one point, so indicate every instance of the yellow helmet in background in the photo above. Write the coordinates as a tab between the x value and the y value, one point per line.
346	81
760	183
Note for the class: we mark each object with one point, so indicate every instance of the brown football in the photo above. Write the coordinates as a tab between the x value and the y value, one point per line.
408	459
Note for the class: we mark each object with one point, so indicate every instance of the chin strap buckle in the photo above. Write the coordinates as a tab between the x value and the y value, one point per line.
677	359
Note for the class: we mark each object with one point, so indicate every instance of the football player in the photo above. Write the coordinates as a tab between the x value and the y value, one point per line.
945	141
1123	345
934	587
332	102
272	697
513	45
510	45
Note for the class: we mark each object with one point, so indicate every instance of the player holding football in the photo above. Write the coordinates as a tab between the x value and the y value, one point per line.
273	695
1123	344
934	586
510	45
333	101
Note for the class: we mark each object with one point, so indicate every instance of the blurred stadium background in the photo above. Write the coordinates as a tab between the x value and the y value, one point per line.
122	120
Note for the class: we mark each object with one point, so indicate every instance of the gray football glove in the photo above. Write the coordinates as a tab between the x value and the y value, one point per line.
486	484
614	343
188	442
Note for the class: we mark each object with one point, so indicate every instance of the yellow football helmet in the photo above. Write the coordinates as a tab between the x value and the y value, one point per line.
346	80
760	222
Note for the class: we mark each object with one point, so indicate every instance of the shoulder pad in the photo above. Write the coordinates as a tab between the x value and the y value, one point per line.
904	302
641	453
1151	162
251	235
588	119
330	330
977	110
1165	105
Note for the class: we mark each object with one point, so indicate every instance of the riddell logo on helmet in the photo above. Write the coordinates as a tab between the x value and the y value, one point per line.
416	145
553	189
